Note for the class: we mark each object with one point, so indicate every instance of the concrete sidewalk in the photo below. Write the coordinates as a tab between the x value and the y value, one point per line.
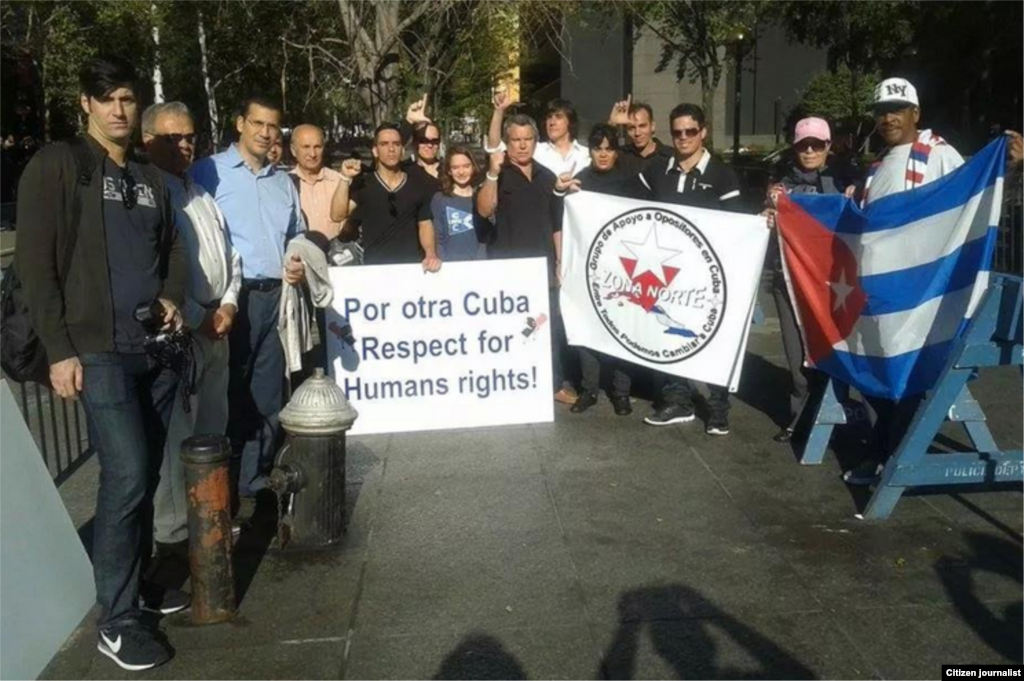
597	546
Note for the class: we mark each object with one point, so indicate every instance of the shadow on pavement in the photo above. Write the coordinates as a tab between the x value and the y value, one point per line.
999	630
479	656
765	387
679	622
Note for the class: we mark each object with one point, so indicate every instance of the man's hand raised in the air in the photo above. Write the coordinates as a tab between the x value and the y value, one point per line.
620	112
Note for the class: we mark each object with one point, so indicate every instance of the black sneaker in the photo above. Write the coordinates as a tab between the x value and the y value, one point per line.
161	599
585	401
717	425
666	416
622	405
783	436
133	646
865	474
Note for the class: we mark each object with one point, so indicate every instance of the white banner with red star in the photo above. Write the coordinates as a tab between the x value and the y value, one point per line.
663	286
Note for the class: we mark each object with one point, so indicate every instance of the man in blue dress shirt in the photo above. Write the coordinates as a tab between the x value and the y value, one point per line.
262	211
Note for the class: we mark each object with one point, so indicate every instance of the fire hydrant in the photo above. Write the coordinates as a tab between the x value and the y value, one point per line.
309	471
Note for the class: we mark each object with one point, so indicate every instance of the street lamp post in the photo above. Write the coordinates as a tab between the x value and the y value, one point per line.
737	99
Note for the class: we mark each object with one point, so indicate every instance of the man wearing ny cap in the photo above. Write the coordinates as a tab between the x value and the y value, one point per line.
911	157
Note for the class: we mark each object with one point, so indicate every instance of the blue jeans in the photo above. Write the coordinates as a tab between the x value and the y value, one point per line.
127	400
254	389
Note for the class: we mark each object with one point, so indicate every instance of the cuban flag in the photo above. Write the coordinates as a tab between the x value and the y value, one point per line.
883	293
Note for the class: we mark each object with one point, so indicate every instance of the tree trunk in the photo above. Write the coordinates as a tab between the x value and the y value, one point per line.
707	95
158	75
211	98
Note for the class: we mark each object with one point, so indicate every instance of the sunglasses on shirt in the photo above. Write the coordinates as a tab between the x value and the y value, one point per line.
129	196
689	133
393	204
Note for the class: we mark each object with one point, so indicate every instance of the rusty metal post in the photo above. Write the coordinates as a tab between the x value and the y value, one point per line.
209	527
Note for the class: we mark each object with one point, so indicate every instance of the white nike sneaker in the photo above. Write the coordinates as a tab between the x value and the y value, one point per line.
133	646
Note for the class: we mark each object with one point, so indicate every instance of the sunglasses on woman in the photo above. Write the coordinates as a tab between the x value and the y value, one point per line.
810	145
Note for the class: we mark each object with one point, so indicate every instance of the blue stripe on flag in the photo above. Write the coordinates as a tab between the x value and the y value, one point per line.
890	377
906	289
839	214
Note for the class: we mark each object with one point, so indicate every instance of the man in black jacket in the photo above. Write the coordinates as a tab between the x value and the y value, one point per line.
126	254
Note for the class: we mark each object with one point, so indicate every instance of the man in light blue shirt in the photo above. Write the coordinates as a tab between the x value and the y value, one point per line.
262	210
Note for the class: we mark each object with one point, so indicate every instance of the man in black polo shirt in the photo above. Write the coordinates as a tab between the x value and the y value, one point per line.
519	195
645	148
391	208
692	177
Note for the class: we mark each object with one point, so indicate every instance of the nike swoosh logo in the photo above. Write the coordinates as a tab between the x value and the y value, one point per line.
115	646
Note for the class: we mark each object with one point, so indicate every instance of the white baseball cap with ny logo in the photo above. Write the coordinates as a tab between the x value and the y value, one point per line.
896	90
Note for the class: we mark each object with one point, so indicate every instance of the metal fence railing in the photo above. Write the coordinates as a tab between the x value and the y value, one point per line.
1011	223
57	426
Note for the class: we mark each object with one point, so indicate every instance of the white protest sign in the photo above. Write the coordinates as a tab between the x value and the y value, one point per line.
663	286
464	347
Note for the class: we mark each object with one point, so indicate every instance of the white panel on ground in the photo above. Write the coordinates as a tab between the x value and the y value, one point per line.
46	584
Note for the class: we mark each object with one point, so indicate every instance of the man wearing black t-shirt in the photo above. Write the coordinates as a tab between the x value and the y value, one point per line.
97	242
519	194
644	148
692	177
390	208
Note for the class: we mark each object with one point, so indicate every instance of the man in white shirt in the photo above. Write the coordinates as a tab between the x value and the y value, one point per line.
215	277
561	153
316	182
911	158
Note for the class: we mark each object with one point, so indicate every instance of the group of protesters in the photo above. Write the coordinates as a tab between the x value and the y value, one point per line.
116	253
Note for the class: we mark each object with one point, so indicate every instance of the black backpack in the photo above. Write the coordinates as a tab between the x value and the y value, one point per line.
22	355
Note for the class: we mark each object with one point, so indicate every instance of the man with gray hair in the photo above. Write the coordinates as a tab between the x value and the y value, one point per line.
528	220
210	306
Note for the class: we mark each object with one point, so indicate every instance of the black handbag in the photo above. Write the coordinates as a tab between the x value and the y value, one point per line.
22	355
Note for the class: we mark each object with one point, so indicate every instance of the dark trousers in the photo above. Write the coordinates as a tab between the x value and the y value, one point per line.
793	346
254	389
590	365
127	401
562	365
889	420
675	390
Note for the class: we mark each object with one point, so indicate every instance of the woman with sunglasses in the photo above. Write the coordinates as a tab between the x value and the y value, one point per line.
809	171
426	161
456	220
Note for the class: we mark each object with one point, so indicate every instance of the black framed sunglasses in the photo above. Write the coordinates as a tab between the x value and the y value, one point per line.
129	195
810	145
432	141
176	139
689	133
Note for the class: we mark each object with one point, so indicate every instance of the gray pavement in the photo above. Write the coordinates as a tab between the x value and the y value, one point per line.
597	546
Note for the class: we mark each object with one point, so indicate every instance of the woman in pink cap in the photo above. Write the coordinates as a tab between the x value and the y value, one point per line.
808	172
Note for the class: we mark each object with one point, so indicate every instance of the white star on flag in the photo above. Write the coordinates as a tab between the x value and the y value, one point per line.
841	289
650	257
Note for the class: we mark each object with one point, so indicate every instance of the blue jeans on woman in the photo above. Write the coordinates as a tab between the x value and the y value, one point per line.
127	400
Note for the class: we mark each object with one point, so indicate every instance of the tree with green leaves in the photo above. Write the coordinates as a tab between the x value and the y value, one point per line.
699	37
827	96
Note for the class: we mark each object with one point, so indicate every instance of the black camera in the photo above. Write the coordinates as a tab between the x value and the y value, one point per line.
151	316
